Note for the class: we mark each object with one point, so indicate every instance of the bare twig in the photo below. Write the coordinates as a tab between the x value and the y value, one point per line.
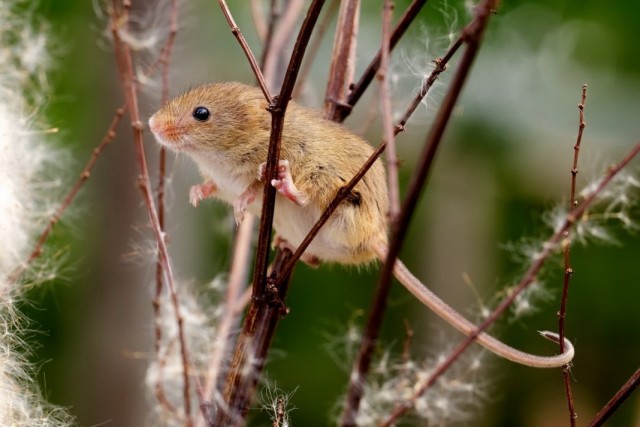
237	280
71	195
568	270
617	400
359	88
343	57
165	63
119	18
387	114
267	302
246	49
250	354
472	37
529	277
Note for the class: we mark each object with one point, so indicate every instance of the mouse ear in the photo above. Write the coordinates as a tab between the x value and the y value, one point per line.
201	114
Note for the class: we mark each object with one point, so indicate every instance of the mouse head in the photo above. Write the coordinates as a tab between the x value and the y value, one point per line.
206	117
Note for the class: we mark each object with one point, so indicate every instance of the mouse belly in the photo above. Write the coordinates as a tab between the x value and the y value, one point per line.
337	241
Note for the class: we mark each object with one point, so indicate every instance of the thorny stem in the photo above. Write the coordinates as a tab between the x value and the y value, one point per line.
342	58
71	195
529	277
359	88
246	49
568	270
124	62
441	65
387	113
617	400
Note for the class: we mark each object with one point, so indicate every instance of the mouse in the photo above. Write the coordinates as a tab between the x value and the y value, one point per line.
225	128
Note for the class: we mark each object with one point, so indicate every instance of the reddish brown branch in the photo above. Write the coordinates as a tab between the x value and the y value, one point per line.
343	58
472	35
387	114
250	354
124	61
246	49
267	302
529	277
165	63
568	271
359	88
70	197
618	399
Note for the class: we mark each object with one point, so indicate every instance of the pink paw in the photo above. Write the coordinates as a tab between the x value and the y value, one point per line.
201	191
284	183
241	203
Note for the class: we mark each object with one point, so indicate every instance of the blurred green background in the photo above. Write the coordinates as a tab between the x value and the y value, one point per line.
505	160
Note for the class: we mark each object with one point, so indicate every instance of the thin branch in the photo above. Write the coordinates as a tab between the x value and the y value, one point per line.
246	49
124	61
387	114
70	197
250	354
165	64
618	399
529	277
568	270
359	88
343	58
441	64
472	37
278	109
268	299
235	285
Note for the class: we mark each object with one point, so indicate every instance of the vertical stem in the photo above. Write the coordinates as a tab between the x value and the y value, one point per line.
343	58
568	270
472	36
268	299
387	113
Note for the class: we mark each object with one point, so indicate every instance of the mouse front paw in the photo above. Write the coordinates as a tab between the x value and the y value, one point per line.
284	183
201	191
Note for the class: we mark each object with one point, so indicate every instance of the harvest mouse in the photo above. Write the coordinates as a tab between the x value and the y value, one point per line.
225	129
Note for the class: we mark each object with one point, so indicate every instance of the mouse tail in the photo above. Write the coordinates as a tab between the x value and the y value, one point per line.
455	319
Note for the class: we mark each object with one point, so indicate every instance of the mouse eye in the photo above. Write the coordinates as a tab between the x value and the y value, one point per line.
201	114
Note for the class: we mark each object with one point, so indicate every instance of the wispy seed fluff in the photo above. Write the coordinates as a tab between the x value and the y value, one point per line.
24	156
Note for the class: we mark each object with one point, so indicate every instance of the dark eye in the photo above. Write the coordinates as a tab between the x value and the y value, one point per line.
201	114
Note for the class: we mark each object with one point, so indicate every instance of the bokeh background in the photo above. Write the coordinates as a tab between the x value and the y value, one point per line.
505	161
